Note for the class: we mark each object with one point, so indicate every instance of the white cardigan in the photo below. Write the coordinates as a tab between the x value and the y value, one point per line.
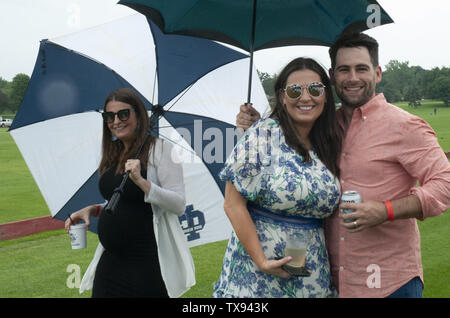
166	196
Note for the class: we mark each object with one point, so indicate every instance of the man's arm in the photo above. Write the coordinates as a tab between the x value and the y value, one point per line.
425	161
372	213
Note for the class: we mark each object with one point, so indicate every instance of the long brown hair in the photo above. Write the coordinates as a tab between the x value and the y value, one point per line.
324	135
113	152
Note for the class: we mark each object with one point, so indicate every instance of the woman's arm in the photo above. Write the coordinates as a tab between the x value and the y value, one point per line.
170	194
236	209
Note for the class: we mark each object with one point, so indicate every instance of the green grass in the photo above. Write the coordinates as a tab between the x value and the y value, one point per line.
36	266
20	197
435	248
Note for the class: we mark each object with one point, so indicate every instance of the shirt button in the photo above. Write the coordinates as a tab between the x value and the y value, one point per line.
342	238
364	117
341	268
342	181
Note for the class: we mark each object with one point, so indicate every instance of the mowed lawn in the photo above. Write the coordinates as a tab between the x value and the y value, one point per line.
43	265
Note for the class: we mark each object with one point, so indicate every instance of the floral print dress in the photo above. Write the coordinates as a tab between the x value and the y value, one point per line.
270	174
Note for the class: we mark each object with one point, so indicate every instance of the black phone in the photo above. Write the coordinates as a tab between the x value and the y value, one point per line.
296	271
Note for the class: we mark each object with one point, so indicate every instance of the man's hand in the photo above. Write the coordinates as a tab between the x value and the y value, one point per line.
372	213
367	214
247	116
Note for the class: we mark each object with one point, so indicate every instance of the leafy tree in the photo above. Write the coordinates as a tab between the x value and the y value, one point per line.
413	96
18	87
3	83
440	88
401	82
397	74
392	94
4	103
267	82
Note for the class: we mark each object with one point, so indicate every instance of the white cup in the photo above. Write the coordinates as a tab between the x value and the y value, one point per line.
78	236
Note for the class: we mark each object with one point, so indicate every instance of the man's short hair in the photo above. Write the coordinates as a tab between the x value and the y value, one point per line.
353	39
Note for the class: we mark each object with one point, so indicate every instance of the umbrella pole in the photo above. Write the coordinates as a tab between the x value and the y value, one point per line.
252	48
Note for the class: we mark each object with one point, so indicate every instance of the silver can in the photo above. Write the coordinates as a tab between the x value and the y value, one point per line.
350	196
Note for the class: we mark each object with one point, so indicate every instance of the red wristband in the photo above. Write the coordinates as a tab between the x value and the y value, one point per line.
97	210
390	210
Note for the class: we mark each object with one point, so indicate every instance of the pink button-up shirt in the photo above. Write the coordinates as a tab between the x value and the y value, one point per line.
385	152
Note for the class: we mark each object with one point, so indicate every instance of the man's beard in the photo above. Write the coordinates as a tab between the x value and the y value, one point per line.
356	101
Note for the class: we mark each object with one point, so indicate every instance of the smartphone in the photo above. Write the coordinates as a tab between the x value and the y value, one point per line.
296	271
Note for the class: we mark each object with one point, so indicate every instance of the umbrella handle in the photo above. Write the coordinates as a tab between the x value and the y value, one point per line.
112	204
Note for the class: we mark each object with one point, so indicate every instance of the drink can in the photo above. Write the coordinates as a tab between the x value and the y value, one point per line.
350	196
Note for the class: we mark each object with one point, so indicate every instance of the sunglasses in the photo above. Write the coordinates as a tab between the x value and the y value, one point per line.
122	114
295	91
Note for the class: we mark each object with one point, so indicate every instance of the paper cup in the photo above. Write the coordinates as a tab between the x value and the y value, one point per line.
78	236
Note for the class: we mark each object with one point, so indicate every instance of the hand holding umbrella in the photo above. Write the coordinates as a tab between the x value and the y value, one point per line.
247	116
130	169
133	168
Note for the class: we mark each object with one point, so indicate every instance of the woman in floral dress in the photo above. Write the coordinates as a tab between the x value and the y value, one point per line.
282	180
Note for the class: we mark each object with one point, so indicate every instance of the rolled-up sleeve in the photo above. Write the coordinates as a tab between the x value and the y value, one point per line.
426	161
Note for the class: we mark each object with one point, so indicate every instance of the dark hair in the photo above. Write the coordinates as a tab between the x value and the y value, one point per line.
113	151
324	135
352	39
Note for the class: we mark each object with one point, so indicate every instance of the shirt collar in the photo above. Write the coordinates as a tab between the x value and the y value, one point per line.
371	106
365	110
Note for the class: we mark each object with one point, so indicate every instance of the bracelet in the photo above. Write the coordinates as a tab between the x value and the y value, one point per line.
97	210
390	210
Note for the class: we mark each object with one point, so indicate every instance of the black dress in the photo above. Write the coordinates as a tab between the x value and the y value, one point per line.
129	266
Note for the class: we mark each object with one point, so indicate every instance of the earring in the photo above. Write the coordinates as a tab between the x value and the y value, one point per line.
114	138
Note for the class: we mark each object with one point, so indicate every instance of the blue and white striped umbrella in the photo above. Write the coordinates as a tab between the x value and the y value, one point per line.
198	83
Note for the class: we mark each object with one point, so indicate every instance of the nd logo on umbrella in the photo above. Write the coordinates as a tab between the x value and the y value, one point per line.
192	221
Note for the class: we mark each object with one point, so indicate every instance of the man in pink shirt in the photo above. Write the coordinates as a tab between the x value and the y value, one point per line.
385	151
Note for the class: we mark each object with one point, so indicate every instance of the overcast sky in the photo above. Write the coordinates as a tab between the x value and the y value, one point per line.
419	35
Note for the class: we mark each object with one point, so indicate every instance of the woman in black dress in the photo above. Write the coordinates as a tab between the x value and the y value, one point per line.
129	259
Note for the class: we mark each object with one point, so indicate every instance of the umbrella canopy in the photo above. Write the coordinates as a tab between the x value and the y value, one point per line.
277	23
258	24
58	128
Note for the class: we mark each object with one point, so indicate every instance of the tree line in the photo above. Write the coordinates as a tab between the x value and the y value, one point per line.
12	93
411	84
400	83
